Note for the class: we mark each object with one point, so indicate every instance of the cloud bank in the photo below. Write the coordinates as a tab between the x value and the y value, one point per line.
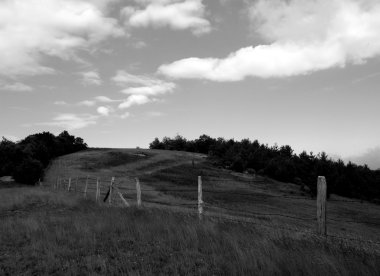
33	29
302	37
370	157
175	14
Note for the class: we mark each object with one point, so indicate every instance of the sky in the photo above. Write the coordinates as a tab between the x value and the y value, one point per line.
119	73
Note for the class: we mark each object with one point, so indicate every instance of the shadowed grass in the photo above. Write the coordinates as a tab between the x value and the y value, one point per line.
79	237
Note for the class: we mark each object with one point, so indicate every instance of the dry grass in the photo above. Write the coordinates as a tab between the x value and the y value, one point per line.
78	237
164	171
44	232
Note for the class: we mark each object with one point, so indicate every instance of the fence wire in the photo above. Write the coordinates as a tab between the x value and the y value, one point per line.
247	215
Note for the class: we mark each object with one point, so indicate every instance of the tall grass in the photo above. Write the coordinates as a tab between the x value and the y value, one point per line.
78	237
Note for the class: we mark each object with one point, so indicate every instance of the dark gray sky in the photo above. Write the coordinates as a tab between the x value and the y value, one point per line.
119	73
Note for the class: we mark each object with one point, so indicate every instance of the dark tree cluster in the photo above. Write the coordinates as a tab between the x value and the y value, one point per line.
281	163
26	159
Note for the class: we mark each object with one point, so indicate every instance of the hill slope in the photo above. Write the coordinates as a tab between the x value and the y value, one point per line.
252	226
170	178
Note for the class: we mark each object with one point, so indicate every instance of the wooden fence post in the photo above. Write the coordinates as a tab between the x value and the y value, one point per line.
111	186
55	186
97	190
321	205
85	187
138	192
76	183
69	186
200	202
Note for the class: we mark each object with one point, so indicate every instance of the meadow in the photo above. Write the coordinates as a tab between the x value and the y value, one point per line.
45	231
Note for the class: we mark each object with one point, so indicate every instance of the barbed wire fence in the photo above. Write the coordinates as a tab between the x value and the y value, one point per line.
113	193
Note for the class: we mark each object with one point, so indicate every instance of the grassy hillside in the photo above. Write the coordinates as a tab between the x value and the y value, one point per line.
42	232
252	225
169	177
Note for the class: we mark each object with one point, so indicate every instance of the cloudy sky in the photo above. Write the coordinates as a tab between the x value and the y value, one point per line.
120	72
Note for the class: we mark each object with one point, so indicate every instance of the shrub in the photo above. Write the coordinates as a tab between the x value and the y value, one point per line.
28	172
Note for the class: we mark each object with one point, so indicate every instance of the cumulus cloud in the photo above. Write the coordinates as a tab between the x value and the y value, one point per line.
175	14
91	78
104	110
134	100
302	37
72	121
33	29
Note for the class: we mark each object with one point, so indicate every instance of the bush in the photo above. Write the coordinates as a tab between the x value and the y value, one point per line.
26	159
28	172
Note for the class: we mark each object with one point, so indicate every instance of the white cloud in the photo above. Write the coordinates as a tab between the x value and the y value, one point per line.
33	29
103	110
140	88
71	121
98	99
17	87
303	37
162	88
60	103
176	14
141	84
104	99
87	103
91	78
134	100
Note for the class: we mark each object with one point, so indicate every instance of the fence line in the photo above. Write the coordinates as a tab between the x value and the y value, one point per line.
101	187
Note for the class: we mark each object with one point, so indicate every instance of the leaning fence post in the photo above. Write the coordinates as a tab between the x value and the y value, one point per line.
69	186
138	192
85	187
111	186
97	190
200	202
321	205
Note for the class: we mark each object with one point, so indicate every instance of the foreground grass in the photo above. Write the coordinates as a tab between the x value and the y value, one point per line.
59	234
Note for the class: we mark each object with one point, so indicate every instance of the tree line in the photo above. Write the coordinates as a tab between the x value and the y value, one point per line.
25	160
281	163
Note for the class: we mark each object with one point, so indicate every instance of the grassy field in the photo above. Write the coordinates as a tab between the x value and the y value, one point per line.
44	232
252	225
